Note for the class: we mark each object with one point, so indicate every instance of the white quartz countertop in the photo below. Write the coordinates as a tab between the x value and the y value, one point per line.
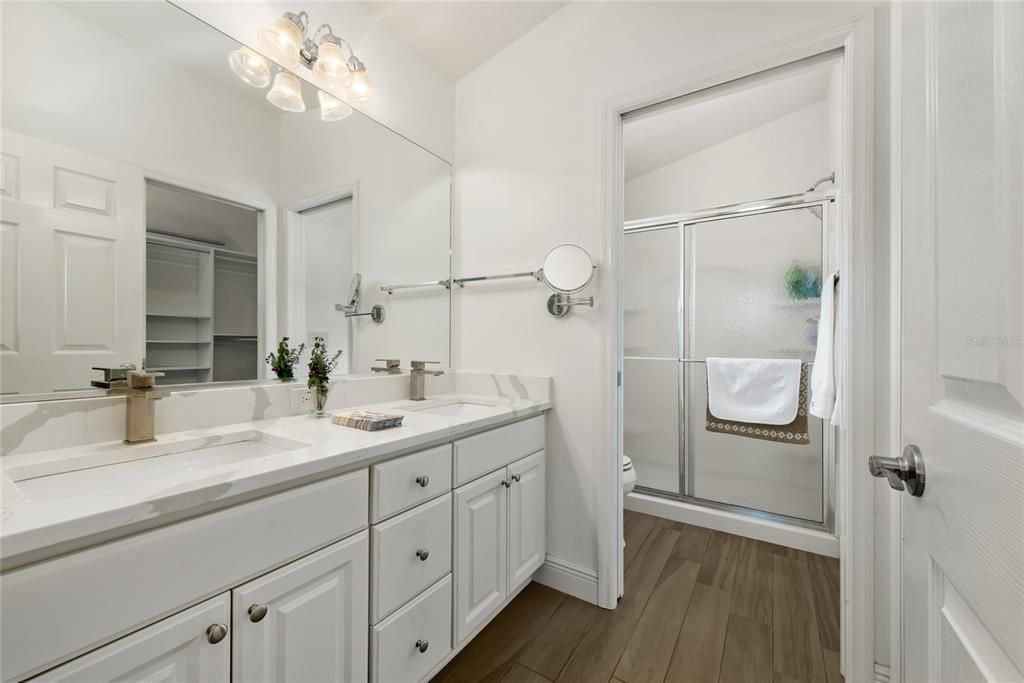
116	500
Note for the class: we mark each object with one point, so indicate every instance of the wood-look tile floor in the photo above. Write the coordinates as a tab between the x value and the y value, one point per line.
700	606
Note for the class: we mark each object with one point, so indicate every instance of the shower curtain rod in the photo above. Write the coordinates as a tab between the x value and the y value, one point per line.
742	207
704	360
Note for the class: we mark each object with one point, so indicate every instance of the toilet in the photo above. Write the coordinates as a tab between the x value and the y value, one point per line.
628	475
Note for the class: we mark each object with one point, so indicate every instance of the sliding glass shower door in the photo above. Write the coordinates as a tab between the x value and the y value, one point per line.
743	284
651	323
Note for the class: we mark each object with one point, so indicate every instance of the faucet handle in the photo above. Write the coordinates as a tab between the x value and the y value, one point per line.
113	377
422	364
391	366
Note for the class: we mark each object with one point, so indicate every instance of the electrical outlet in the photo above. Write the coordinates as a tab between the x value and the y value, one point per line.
302	401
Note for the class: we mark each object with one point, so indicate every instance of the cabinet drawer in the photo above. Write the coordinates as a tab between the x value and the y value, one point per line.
395	656
135	580
483	453
403	483
398	546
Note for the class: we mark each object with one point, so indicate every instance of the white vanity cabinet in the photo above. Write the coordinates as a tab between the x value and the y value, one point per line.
379	575
305	621
500	520
190	646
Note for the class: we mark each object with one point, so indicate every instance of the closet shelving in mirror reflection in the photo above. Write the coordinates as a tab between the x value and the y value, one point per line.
286	42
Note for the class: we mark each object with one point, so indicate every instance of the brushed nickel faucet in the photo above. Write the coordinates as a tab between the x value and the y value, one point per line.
417	384
140	391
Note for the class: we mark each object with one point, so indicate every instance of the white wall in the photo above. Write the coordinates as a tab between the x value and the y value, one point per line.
527	158
781	157
412	97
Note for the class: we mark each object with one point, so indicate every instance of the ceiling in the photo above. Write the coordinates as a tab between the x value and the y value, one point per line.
673	131
457	37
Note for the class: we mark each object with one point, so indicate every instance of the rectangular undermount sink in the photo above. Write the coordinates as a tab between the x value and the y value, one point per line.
120	465
453	407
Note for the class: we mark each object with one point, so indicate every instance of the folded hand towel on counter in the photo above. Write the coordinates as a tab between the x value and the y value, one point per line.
755	390
823	384
796	432
367	420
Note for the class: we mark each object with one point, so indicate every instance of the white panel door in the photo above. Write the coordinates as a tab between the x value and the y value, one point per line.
527	521
72	265
307	621
961	85
481	550
175	650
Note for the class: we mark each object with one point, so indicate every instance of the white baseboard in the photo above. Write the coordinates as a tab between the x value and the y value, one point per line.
811	540
567	577
881	673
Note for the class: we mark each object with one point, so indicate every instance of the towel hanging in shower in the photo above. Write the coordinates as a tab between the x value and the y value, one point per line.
823	383
795	432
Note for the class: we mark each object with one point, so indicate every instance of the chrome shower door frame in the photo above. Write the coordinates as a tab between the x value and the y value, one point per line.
685	307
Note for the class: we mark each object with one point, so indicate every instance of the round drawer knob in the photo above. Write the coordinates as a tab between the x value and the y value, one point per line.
516	477
423	480
506	483
423	554
216	633
422	645
257	612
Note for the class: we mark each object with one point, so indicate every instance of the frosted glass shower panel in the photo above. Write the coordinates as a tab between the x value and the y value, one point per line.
651	421
753	293
650	293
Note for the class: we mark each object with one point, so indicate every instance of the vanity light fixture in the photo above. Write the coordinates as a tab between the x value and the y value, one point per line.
286	42
360	88
331	108
284	38
287	93
250	67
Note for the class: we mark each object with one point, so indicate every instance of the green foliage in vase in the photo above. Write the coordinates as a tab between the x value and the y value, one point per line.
283	361
321	364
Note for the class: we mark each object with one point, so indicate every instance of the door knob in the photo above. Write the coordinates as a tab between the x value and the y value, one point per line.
516	477
423	554
905	473
422	645
257	612
216	633
423	480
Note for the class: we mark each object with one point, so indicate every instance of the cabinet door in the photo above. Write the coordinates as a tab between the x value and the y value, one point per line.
527	523
481	551
307	621
177	649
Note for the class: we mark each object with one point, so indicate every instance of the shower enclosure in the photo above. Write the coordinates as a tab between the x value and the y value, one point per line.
723	282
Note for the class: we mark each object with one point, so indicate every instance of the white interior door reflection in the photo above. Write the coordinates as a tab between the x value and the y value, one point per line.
328	262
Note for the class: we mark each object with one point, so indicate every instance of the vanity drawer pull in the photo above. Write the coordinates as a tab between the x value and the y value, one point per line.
423	480
423	554
216	633
422	645
257	612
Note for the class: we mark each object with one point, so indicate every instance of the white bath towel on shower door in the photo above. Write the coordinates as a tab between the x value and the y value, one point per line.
755	390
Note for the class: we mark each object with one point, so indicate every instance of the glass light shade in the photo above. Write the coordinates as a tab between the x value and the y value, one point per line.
360	87
282	41
331	108
250	67
331	64
286	93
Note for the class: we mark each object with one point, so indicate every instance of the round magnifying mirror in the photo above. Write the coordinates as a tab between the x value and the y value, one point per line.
567	269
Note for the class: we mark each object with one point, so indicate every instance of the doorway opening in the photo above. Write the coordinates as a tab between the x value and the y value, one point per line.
730	235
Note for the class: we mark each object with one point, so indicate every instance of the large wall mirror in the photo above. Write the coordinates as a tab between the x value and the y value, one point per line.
157	209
